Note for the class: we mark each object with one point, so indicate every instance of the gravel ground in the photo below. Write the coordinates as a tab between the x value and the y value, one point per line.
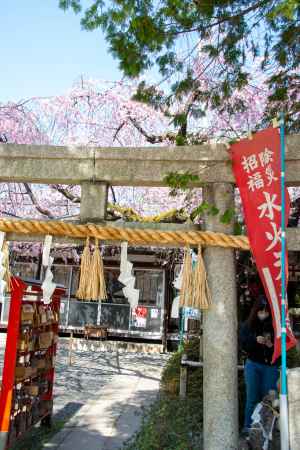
75	385
90	371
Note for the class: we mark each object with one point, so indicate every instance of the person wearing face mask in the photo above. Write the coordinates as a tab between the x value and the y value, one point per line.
257	340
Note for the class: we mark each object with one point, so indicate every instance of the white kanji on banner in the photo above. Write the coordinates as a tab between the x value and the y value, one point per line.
265	157
249	163
277	263
270	175
267	208
274	299
255	181
275	238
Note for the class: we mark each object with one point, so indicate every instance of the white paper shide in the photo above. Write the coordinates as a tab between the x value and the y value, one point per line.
48	287
126	277
177	285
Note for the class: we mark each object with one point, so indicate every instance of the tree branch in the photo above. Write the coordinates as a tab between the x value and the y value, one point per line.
113	194
11	214
151	138
69	195
226	18
39	208
118	130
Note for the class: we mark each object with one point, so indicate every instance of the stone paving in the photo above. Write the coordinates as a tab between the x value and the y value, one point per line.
91	371
101	396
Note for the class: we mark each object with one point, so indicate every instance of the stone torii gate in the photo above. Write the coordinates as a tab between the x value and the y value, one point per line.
97	168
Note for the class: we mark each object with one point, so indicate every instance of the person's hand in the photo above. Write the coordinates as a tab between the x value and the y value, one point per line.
260	340
268	343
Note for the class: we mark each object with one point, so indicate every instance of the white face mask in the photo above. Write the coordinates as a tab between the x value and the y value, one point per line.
262	315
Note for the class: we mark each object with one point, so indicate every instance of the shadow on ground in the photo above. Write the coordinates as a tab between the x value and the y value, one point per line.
82	382
39	434
119	422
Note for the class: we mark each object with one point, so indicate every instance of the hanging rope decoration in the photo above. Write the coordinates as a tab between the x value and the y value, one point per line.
194	291
132	236
201	292
186	291
85	272
92	281
96	286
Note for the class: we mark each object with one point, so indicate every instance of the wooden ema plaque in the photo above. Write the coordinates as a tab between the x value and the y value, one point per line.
26	396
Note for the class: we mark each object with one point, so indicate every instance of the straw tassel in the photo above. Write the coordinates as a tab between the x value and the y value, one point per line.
201	292
186	291
85	272
97	287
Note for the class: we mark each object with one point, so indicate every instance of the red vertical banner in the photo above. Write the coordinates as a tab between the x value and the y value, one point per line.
256	166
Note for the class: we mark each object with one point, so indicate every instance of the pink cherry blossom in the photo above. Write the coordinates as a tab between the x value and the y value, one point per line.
103	114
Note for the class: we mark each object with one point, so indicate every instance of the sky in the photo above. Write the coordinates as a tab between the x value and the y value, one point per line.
43	50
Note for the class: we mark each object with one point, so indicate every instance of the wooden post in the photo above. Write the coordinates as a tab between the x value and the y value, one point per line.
166	309
201	348
183	377
70	348
201	338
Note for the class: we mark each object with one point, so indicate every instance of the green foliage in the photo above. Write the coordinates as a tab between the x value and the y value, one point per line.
285	9
74	4
170	424
293	358
171	373
38	436
238	229
146	33
227	216
180	181
176	424
204	208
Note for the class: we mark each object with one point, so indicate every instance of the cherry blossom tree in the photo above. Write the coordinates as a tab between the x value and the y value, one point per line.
90	114
94	113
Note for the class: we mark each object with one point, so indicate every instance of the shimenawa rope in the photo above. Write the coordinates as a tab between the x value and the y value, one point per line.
133	236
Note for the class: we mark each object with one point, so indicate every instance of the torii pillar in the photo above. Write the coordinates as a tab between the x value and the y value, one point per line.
220	388
93	204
